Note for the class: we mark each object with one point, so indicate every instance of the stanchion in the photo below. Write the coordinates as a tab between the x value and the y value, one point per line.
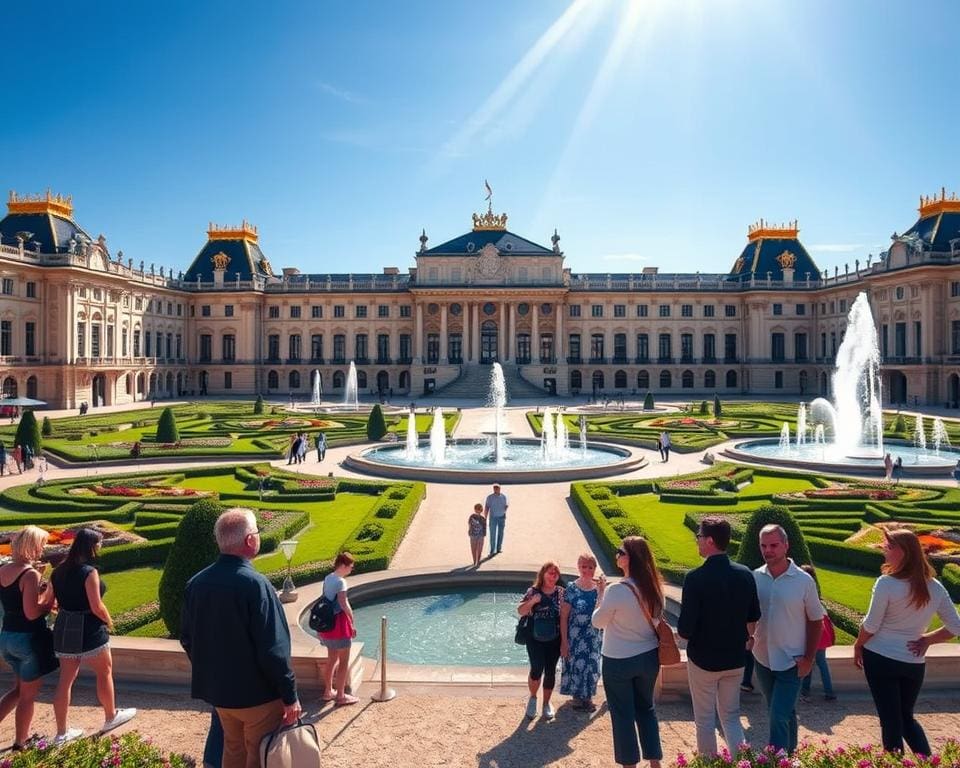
384	694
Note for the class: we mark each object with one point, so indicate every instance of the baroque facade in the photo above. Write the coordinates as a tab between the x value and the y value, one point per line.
78	324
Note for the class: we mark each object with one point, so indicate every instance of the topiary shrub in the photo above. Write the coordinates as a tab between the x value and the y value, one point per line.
900	425
370	532
193	550
951	580
376	425
258	406
717	410
772	514
648	402
704	409
28	432
47	428
167	431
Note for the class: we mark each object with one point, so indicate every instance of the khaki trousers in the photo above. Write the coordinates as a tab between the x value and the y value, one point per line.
244	728
715	693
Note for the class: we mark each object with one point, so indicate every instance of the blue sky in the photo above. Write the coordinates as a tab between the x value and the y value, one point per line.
648	132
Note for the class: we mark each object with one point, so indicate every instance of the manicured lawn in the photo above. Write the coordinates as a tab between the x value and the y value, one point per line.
128	589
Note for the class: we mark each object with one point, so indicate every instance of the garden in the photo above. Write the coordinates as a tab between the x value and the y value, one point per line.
700	426
140	513
247	429
839	520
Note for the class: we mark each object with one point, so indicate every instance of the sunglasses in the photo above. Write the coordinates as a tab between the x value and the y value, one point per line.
621	552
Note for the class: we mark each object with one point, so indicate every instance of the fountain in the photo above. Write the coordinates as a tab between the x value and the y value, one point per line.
493	455
848	432
351	398
317	390
413	437
939	436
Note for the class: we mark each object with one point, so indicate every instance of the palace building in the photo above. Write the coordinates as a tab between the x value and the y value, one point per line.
79	324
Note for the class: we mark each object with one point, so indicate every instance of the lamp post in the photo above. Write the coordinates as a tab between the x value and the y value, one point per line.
289	592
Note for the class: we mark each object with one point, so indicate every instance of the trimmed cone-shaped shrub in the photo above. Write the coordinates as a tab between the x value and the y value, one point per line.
376	425
193	549
167	431
704	410
772	514
47	428
717	410
28	432
900	425
648	402
258	406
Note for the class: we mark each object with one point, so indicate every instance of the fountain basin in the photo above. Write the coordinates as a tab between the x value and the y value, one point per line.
470	461
825	458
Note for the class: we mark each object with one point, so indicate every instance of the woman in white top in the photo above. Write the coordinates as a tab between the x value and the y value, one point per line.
891	645
631	660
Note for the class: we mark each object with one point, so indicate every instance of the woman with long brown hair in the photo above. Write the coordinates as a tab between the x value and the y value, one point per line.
542	602
627	615
891	645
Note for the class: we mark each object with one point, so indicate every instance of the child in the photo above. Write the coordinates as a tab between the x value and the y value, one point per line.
827	638
477	530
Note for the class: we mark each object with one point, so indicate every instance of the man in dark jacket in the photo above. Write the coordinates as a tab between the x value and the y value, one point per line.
234	631
718	613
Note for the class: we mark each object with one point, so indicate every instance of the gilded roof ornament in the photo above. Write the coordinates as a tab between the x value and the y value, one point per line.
764	229
489	221
265	266
60	205
787	260
245	231
738	265
930	206
220	260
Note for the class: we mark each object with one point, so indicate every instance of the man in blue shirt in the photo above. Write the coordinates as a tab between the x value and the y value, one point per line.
495	510
234	631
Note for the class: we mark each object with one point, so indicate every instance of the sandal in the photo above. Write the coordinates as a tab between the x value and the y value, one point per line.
328	697
347	700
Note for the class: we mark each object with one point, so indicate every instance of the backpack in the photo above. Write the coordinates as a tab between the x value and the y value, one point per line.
322	616
291	746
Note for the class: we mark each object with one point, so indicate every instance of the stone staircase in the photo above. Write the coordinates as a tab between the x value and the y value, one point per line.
474	384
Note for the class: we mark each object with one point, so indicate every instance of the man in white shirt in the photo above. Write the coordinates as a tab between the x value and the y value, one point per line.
495	510
787	635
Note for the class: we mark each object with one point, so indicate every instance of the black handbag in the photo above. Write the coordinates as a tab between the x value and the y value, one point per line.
42	642
524	633
68	631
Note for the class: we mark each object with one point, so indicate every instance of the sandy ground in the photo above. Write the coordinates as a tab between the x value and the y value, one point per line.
482	727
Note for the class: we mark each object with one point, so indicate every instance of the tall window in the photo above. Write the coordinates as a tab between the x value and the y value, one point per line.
800	347
596	346
6	338
777	347
228	380
900	340
573	347
124	342
884	346
643	347
433	348
136	342
229	348
620	348
955	337
294	344
523	348
169	347
360	346
206	347
917	339
730	347
30	339
316	347
686	348
147	344
273	347
179	347
95	340
665	352
339	348
406	347
709	347
546	348
383	347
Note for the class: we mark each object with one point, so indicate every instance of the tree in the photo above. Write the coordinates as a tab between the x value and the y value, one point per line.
258	406
772	514
376	425
648	402
900	425
167	431
47	429
193	549
717	410
28	432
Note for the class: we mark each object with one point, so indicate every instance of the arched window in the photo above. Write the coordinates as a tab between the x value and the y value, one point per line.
804	382
404	380
140	381
361	379
32	386
338	379
294	379
383	381
9	387
576	380
643	380
598	380
666	380
273	380
731	379
709	380
128	383
620	380
686	380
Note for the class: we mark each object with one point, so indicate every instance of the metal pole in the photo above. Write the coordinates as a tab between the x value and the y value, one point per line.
384	694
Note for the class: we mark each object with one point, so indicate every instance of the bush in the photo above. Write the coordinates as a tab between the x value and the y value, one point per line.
47	429
258	406
704	409
370	532
28	432
951	580
376	425
125	556
167	431
900	425
772	514
648	402
717	410
387	511
125	751
193	549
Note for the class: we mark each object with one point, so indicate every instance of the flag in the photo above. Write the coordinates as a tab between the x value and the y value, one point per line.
489	191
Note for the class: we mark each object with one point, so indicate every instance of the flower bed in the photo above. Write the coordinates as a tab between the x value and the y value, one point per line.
322	485
129	750
136	490
822	756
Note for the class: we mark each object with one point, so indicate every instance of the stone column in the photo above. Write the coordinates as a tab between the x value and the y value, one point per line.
512	335
475	357
443	334
535	332
465	318
503	352
418	336
559	343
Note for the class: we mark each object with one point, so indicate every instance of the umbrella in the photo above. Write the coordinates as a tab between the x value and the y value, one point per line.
21	401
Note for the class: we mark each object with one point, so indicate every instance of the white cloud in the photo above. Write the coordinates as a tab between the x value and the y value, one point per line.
836	247
624	257
339	93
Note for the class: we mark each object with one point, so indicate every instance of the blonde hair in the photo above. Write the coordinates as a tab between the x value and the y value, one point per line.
587	558
28	543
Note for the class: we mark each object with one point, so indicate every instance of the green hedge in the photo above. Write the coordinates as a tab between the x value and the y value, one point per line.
376	555
720	500
161	531
136	555
951	580
845	555
124	623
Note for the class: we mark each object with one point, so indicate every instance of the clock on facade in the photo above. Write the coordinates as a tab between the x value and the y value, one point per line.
488	262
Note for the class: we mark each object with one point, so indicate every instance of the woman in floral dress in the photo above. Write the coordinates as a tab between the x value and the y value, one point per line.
579	640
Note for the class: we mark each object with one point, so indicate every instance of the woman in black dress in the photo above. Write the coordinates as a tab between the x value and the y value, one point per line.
82	634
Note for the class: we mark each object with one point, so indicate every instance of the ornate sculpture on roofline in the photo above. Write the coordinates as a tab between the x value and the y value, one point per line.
787	260
220	261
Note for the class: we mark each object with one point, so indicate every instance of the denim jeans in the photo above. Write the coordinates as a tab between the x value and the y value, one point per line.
497	525
781	690
895	686
824	668
629	684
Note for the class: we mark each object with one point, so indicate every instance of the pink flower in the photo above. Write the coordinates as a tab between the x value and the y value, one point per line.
681	760
935	761
784	763
744	764
908	763
865	764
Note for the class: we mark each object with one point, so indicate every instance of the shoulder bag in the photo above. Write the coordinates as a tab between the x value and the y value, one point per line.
668	651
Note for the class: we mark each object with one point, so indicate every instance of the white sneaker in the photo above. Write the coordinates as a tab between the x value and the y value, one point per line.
532	707
70	735
548	713
122	716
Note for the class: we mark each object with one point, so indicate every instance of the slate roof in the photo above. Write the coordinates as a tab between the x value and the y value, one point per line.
472	242
937	230
245	258
760	257
53	232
